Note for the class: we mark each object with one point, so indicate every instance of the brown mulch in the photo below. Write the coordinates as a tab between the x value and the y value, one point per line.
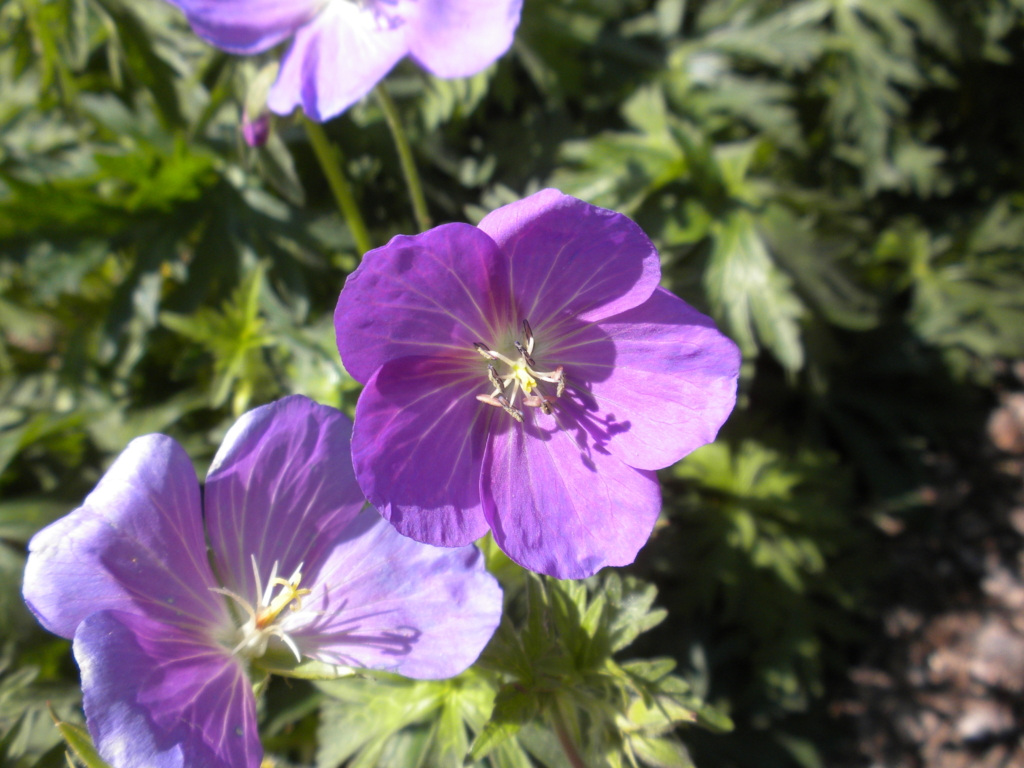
943	687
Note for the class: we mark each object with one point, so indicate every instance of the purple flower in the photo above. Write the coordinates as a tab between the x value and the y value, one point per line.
164	641
528	376
342	48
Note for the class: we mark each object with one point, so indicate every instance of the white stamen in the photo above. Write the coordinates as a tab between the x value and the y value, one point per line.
522	376
252	636
256	573
270	584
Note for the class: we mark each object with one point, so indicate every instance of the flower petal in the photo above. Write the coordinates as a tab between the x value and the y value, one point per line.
417	447
394	604
136	544
336	59
280	488
558	503
247	26
668	389
572	259
458	38
435	293
159	697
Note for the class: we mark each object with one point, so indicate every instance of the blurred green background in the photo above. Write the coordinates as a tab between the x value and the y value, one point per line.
840	183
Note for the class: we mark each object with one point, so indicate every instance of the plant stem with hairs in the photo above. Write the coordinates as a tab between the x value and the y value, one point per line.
330	158
564	737
412	177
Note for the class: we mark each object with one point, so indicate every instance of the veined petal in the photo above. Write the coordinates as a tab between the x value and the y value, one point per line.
458	38
247	26
570	259
337	58
136	544
394	604
417	447
280	488
159	697
431	294
558	503
669	387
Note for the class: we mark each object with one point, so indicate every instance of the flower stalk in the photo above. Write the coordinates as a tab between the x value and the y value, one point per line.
565	738
330	159
412	177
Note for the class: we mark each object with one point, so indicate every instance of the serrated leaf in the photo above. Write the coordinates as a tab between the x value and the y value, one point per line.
451	744
815	265
632	614
752	295
448	99
362	714
143	61
651	670
491	737
513	707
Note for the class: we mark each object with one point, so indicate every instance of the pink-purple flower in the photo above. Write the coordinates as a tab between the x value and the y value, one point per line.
527	377
165	641
342	48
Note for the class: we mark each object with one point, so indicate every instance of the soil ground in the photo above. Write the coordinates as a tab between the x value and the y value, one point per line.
943	685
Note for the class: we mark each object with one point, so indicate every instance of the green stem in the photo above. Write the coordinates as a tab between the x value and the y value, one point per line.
330	161
412	177
562	732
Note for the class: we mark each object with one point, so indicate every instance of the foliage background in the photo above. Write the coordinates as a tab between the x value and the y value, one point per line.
839	182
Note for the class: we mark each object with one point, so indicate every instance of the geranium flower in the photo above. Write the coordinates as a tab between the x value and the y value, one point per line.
342	48
527	377
164	642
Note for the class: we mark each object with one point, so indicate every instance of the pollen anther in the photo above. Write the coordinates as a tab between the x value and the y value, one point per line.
254	635
521	376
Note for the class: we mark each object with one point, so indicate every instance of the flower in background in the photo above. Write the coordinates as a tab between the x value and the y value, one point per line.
164	641
342	48
256	130
527	377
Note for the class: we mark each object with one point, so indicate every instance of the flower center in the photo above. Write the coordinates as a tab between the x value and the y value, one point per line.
522	375
252	637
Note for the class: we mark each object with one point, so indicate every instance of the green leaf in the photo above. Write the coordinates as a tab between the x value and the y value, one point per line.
9	737
660	753
81	744
361	715
816	266
650	670
714	719
144	63
631	613
752	294
451	743
513	707
235	336
55	757
365	719
21	518
452	99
